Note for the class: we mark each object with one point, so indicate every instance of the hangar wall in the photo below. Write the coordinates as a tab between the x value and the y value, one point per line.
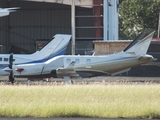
37	21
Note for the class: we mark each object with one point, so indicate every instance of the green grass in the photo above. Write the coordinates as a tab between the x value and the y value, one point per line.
104	101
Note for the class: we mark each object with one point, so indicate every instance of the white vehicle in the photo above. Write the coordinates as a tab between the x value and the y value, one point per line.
6	11
57	46
77	66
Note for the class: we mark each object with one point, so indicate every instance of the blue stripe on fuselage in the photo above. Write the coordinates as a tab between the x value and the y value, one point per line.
61	52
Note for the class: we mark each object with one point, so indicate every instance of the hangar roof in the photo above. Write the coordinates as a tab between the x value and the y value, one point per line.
82	3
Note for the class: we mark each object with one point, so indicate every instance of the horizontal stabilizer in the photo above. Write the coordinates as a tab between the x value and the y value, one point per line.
147	58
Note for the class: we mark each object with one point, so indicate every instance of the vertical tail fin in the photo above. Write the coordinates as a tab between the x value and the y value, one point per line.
140	44
57	46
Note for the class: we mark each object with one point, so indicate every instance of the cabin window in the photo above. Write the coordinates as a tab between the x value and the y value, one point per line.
88	61
68	61
5	59
0	59
77	61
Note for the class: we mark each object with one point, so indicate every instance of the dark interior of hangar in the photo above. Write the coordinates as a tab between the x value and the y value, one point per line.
38	21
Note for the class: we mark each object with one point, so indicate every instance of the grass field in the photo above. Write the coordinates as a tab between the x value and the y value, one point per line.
104	101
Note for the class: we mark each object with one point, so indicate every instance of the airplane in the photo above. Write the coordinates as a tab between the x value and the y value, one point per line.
56	46
81	66
6	11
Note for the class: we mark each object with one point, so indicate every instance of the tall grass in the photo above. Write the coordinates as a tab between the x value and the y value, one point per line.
104	101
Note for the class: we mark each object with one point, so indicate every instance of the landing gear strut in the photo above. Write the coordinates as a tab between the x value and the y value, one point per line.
11	77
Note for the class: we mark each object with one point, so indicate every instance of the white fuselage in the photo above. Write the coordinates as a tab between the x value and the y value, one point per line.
77	66
57	46
84	65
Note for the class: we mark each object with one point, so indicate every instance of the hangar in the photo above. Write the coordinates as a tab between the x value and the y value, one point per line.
37	21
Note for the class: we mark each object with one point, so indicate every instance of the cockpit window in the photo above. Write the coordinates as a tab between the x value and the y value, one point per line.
5	59
0	59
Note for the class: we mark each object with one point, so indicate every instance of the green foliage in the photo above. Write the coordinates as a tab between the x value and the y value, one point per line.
137	15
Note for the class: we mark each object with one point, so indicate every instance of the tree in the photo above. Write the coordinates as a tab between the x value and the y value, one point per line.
137	15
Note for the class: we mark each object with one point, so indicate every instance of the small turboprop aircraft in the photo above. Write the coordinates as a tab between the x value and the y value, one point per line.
56	46
77	66
6	11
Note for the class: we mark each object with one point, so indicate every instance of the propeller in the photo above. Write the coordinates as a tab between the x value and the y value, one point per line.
11	76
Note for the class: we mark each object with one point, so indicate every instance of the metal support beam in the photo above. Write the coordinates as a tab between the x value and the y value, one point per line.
7	33
73	26
105	20
158	26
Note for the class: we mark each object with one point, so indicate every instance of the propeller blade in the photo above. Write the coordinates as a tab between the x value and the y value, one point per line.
11	58
11	76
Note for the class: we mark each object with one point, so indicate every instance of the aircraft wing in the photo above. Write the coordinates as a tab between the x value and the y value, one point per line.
12	9
6	11
68	72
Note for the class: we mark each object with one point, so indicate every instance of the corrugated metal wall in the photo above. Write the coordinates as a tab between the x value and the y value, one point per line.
83	24
35	20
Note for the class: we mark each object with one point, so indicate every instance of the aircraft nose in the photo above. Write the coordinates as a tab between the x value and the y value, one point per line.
7	69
